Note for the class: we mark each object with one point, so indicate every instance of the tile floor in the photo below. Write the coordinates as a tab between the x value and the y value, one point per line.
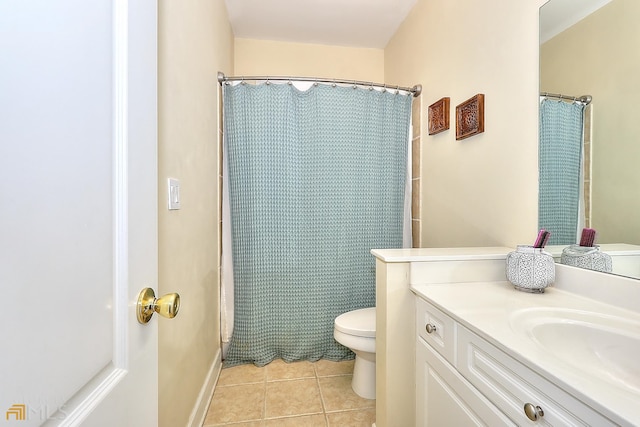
299	394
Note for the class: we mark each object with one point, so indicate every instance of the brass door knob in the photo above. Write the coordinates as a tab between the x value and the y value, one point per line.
166	306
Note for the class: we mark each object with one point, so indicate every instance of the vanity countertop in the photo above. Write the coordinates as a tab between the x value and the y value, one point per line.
617	249
491	310
440	254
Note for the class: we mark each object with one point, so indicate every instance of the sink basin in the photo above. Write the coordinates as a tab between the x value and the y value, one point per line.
599	345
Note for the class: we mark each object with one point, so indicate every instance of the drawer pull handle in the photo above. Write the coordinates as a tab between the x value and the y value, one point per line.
430	328
533	412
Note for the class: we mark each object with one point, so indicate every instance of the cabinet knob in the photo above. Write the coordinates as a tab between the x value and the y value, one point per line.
534	413
430	328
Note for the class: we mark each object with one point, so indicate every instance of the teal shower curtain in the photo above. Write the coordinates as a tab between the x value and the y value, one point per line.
316	180
560	163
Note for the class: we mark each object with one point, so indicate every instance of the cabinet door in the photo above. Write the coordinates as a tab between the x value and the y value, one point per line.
445	398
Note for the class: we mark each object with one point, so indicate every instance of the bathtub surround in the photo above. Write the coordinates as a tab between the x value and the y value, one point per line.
308	201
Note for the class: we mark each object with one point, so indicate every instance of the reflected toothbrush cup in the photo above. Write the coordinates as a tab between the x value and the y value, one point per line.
588	257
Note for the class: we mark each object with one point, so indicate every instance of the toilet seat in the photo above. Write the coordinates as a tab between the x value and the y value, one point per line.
361	323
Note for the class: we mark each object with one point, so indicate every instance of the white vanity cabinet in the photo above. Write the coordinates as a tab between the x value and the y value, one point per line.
463	380
443	396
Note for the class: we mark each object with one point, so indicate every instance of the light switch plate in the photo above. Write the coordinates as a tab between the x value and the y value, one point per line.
174	194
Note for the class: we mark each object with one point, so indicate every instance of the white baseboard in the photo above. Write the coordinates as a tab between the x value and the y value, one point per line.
199	412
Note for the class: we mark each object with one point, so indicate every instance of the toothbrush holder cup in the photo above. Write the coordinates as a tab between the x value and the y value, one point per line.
530	269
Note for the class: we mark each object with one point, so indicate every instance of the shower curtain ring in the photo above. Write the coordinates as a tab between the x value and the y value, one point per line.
334	83
384	88
371	86
397	89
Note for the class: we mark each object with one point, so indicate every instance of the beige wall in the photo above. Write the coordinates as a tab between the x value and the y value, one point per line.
195	41
262	57
599	56
481	191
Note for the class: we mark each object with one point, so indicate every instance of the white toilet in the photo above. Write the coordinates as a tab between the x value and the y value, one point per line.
357	330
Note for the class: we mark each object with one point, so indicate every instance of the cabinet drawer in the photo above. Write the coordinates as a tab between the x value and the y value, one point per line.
442	335
510	385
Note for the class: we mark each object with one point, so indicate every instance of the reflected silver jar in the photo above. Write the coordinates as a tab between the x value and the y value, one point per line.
589	257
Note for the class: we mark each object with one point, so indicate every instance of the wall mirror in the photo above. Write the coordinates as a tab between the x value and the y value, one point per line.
591	47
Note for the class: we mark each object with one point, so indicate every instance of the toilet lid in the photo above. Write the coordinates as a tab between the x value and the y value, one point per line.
360	322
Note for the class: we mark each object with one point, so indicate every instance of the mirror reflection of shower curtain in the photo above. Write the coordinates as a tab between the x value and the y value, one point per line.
227	279
561	195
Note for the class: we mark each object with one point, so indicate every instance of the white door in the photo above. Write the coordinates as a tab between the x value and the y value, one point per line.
78	208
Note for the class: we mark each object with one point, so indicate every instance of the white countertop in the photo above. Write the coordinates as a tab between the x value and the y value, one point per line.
440	254
614	249
486	309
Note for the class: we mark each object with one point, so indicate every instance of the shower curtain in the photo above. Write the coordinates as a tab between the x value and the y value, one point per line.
560	163
316	180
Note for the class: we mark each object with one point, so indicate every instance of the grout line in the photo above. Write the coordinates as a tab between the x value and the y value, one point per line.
281	380
324	407
264	404
282	417
340	411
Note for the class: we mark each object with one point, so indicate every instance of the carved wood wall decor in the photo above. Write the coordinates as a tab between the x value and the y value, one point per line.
439	116
470	117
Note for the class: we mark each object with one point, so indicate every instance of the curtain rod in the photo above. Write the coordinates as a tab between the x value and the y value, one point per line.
415	90
585	99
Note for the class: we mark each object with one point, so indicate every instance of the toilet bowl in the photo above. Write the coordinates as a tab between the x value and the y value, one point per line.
357	330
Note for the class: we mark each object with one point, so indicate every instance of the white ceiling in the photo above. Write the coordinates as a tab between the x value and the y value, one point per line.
558	15
362	23
356	23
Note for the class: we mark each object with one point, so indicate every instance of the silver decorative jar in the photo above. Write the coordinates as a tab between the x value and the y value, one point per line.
530	269
589	257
